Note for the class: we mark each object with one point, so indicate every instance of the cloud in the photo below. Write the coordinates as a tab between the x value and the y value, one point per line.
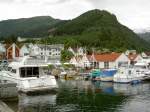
6	1
132	13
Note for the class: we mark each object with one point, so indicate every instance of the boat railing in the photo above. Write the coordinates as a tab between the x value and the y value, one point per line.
39	61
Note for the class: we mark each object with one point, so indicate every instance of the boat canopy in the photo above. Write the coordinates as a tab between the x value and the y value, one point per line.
23	63
95	73
109	72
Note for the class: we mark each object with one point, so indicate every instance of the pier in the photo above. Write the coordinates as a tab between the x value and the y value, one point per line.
4	107
7	90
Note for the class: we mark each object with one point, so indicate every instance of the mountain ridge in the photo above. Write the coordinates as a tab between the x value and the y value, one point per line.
27	27
99	28
95	28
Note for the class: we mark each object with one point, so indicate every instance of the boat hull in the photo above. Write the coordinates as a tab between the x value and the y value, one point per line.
107	79
122	80
108	74
32	84
46	89
127	79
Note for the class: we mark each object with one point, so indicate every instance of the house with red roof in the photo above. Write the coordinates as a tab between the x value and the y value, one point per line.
134	58
109	60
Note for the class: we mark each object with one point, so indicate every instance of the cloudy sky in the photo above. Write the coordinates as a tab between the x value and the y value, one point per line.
132	13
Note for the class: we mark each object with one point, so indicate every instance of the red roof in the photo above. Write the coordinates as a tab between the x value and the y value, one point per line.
132	57
109	57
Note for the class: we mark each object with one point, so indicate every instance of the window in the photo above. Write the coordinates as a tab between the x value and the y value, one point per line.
122	64
25	54
29	72
106	64
22	72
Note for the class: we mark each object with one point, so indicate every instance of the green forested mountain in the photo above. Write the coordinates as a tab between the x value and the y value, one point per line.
27	27
98	29
95	28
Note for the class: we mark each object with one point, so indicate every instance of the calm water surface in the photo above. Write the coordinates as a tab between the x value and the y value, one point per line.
87	96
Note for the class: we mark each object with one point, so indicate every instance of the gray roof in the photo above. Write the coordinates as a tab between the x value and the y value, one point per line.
54	46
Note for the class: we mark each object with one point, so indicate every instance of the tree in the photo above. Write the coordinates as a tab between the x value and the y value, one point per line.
66	55
11	39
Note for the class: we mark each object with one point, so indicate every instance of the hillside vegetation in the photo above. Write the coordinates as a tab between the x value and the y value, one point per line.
27	27
96	28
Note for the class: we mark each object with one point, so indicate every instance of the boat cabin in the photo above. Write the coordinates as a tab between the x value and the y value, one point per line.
22	70
29	72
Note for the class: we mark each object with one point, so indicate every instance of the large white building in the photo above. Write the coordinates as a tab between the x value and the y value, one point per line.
109	60
47	51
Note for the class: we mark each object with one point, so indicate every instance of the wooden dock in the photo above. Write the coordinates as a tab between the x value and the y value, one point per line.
4	107
8	89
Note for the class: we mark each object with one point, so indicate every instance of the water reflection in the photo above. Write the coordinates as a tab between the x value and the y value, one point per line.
87	96
39	103
128	89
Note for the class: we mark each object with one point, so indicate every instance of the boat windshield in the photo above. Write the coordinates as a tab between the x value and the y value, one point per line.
29	72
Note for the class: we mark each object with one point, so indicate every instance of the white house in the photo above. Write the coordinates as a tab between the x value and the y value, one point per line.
76	61
72	50
80	51
50	51
24	51
20	39
77	51
34	50
134	58
109	60
86	62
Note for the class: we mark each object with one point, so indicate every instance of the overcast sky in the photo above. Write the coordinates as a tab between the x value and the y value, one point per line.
132	13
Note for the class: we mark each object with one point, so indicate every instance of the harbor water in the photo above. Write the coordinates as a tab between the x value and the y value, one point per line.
87	96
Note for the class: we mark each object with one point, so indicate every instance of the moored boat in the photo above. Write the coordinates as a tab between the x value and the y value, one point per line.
123	75
95	74
133	75
108	74
30	77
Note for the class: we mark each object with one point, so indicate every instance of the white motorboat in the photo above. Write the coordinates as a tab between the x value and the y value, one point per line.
29	76
123	75
137	73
